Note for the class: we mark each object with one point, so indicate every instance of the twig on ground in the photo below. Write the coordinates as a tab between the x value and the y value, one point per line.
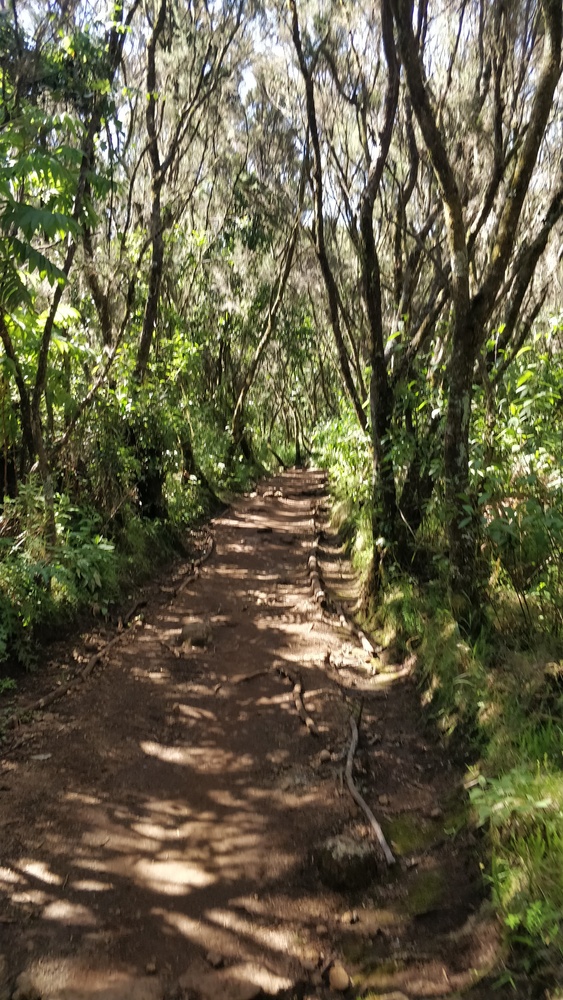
298	700
192	573
59	692
389	857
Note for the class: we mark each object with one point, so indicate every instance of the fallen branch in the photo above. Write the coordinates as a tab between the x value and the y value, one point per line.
192	573
298	700
59	692
389	857
243	678
87	670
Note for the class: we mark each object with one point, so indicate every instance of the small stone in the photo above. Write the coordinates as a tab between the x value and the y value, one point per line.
25	988
384	800
245	991
215	959
321	929
395	995
346	864
436	813
308	964
324	756
150	968
349	917
195	634
338	978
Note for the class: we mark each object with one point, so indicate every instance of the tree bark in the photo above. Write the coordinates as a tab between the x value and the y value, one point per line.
385	520
320	243
156	228
471	314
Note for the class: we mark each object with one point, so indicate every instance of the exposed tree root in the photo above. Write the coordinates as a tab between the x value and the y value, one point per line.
192	572
59	692
298	699
367	645
389	856
315	575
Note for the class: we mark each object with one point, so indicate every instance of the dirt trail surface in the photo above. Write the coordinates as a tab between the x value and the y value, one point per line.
172	829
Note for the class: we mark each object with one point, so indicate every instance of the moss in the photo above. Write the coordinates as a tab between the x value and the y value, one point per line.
410	832
426	892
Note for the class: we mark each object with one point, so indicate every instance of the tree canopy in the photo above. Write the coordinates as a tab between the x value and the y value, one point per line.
236	234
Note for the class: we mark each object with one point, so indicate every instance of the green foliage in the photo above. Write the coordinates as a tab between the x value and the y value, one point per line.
523	812
343	449
40	589
516	468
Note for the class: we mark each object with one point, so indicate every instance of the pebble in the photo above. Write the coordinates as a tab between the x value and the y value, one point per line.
150	968
321	929
308	964
25	989
436	813
324	756
349	917
338	978
396	995
215	959
384	800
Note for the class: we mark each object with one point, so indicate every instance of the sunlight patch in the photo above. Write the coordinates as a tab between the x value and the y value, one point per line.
172	878
69	913
90	885
38	869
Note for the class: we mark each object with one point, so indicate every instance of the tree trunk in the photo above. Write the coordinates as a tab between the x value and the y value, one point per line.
156	236
465	588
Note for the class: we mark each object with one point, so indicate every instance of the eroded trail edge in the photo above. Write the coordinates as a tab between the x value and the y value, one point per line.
179	826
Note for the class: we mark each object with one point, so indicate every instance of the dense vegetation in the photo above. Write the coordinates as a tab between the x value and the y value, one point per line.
238	234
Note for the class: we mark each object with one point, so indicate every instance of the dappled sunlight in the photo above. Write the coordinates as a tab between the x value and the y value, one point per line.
173	877
90	885
69	913
201	758
275	939
234	939
9	878
204	791
39	870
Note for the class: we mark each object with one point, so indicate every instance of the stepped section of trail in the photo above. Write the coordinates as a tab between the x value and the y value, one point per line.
164	827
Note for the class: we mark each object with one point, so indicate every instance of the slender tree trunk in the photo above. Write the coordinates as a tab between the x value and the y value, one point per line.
462	525
156	228
320	243
385	520
276	301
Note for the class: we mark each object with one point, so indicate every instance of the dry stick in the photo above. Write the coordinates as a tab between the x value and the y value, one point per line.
298	700
389	857
87	670
65	689
243	678
191	573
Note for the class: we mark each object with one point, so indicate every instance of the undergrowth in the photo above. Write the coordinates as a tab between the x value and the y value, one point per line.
496	699
501	705
92	567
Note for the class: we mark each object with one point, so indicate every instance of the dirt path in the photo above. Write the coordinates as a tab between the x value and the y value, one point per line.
161	827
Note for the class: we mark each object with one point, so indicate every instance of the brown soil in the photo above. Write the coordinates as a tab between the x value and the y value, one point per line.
160	825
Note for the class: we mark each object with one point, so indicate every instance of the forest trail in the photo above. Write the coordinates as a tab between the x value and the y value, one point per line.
160	826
